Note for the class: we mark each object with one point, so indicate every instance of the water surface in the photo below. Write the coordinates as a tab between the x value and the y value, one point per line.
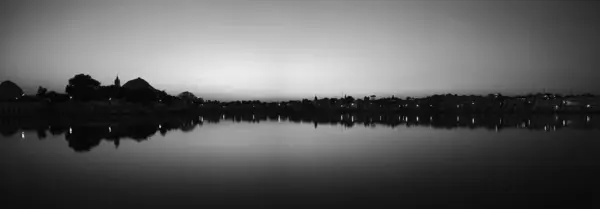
279	164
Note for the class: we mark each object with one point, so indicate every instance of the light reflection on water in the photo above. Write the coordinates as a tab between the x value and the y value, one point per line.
289	164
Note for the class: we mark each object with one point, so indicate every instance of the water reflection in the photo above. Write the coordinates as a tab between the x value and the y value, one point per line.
291	164
84	135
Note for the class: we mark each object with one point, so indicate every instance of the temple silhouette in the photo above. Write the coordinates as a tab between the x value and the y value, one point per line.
85	96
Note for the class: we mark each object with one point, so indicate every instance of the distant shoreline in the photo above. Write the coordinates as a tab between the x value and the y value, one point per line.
434	105
86	96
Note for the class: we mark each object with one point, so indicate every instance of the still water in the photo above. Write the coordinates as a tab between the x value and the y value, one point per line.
281	164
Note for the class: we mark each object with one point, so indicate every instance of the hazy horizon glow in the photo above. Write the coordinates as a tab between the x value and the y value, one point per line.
292	49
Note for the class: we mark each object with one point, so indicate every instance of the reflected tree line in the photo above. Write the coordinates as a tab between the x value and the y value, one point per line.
83	135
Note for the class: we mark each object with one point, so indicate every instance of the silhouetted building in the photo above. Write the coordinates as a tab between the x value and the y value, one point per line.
138	90
138	84
117	81
10	91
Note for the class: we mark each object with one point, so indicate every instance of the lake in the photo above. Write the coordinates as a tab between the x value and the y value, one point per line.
280	163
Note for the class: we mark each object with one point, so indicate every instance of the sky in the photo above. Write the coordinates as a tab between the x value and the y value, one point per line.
284	49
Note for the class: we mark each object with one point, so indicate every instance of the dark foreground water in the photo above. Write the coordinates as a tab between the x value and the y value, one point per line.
299	165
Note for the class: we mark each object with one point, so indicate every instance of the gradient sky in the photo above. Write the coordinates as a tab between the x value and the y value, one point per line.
223	49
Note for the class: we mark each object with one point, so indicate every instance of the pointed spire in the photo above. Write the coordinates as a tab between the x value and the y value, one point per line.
117	81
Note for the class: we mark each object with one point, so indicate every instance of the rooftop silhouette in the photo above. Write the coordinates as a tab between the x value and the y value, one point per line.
86	96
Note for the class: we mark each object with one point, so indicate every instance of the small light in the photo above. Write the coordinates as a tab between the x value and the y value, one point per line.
564	123
417	105
252	116
588	118
430	118
457	118
588	106
279	118
159	126
545	128
70	130
352	118
473	120
457	106
109	99
496	128
223	116
109	129
417	118
472	103
70	97
22	135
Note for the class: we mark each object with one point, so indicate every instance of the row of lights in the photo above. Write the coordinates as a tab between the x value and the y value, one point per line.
564	123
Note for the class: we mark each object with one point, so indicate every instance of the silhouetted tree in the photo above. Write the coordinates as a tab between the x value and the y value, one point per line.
56	97
186	95
41	92
349	99
163	97
82	87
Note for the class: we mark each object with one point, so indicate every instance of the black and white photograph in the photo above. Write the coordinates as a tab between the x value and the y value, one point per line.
299	104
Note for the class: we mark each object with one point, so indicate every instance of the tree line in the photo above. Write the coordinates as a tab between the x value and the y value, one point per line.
84	88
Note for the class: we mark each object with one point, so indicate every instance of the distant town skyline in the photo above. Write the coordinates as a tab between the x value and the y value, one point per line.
270	50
